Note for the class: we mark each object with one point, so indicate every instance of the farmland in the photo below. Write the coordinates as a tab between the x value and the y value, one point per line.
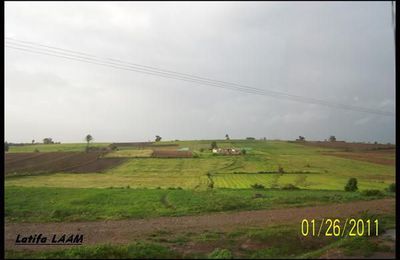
308	168
64	184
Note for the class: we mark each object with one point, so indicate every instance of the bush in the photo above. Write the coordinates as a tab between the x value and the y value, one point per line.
244	151
220	254
290	187
392	187
257	186
258	195
351	185
36	150
201	150
280	170
372	193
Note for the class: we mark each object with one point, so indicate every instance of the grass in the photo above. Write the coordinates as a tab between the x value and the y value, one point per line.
279	241
135	153
154	187
138	250
33	204
303	166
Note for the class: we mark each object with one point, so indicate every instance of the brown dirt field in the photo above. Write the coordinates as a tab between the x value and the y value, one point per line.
99	165
21	163
341	145
171	154
378	157
125	231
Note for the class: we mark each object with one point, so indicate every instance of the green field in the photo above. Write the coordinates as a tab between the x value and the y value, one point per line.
303	166
28	204
145	187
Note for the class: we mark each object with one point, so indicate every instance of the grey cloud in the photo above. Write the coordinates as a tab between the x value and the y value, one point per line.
333	51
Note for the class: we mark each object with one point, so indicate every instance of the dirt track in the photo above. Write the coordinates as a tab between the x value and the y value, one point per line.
124	231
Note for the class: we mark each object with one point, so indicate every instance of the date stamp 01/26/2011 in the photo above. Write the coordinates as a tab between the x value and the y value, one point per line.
339	228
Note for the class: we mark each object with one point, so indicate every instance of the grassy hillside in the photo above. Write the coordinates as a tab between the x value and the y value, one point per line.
67	204
305	167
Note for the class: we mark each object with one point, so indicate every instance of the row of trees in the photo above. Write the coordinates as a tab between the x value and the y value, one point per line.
332	138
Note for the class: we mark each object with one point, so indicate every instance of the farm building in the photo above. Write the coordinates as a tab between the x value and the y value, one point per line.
227	151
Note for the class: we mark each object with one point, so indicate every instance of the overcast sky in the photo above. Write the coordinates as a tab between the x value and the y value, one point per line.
342	52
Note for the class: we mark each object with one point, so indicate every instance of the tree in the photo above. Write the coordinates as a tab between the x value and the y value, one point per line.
332	138
88	138
48	140
158	138
351	185
227	137
214	145
33	141
301	138
6	146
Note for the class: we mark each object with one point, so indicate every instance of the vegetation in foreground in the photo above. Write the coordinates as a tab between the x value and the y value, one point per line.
283	241
30	204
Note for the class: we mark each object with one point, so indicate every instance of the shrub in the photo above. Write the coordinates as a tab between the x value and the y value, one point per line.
220	254
280	170
196	155
351	185
36	150
372	193
290	187
392	187
257	186
258	195
244	151
201	150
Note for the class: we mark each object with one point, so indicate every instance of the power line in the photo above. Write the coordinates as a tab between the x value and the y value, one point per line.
252	91
118	64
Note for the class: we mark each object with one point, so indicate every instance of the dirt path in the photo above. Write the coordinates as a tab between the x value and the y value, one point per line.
124	231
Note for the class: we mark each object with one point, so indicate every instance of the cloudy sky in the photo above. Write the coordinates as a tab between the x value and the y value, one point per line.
340	52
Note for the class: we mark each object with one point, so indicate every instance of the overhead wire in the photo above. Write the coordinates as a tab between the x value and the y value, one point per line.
119	64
